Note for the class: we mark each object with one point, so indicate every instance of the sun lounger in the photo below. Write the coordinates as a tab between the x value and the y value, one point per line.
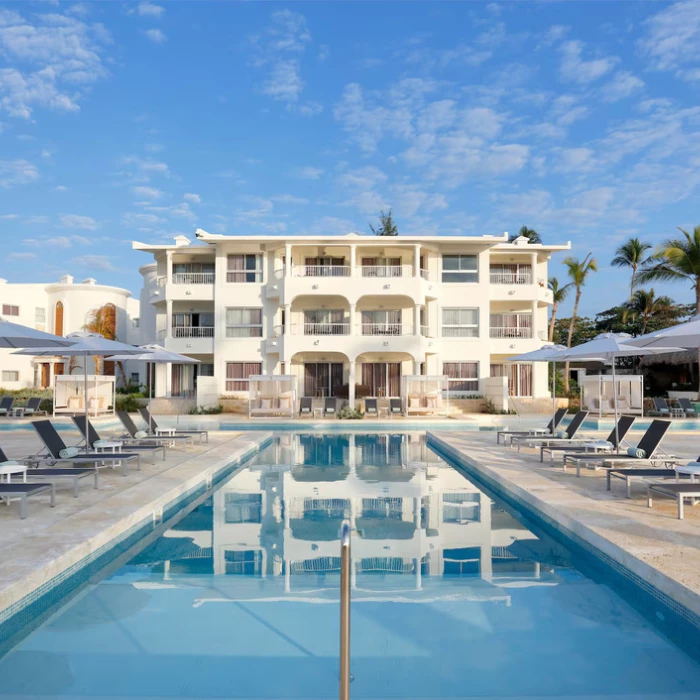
648	444
551	427
98	444
59	452
687	408
660	408
32	407
25	491
395	408
145	439
678	491
632	474
306	407
6	405
607	445
151	422
569	434
371	408
329	407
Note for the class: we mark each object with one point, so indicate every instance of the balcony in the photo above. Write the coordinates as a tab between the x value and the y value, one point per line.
193	278
325	329
508	332
509	340
505	277
188	340
185	286
193	331
321	271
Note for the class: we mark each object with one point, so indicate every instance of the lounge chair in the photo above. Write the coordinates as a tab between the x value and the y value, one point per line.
567	436
639	474
151	422
6	405
395	408
660	408
329	407
371	407
59	452
678	491
97	443
549	430
306	407
51	475
608	445
31	408
25	491
687	408
648	445
145	439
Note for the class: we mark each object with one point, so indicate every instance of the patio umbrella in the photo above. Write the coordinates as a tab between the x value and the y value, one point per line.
12	335
610	346
156	354
684	335
85	345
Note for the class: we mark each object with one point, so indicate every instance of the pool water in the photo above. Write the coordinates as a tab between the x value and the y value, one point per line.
452	596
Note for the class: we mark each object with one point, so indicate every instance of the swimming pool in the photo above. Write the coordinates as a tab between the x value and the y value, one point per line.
452	595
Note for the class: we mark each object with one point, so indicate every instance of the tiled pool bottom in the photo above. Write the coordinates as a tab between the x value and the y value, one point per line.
452	596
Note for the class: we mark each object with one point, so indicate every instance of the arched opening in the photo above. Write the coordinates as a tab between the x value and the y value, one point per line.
58	319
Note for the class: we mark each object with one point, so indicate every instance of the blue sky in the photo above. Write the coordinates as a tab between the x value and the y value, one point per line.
122	121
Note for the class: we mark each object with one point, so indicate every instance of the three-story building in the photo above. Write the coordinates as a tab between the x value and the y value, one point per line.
342	311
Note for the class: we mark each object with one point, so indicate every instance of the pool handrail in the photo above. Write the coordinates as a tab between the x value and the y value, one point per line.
345	564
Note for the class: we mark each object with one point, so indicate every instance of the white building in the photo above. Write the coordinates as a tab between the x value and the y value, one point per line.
337	312
61	307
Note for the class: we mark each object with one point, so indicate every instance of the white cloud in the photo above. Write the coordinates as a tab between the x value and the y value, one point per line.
622	85
553	35
289	199
576	160
60	188
50	60
193	198
17	172
323	52
22	256
57	242
41	220
156	36
362	178
95	262
146	167
183	210
76	221
673	39
576	70
308	172
142	222
148	193
148	9
8	217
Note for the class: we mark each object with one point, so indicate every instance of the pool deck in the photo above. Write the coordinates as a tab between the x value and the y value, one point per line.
50	540
650	542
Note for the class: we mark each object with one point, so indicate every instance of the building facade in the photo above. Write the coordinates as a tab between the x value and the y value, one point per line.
340	313
61	308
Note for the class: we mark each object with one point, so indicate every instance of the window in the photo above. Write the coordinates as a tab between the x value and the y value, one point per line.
205	370
244	268
242	508
382	378
10	376
322	378
325	322
463	377
58	319
40	318
519	378
9	310
244	323
193	325
135	322
134	378
193	273
511	325
381	267
460	268
381	322
460	323
237	374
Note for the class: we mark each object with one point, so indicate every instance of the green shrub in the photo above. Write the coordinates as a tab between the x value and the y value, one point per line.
347	413
488	406
127	403
46	405
206	410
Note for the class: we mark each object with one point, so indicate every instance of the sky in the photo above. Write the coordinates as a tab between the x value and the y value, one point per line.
124	121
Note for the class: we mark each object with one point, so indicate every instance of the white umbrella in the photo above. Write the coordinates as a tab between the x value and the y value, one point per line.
12	335
156	354
685	335
86	344
609	346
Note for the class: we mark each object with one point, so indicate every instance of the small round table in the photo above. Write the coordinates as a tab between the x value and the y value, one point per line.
9	469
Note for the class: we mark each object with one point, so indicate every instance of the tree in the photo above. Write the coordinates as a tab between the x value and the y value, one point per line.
529	233
103	320
386	227
584	330
578	272
644	305
559	294
632	254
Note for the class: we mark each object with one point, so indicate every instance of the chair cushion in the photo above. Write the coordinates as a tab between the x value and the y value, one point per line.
140	434
636	453
69	452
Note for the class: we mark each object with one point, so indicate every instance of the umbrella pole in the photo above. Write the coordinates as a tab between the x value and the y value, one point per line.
151	367
554	392
617	434
87	413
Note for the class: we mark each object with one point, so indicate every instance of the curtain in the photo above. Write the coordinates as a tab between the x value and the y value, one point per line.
394	378
237	374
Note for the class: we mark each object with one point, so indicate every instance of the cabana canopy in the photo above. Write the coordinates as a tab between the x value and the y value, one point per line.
425	394
271	395
69	394
598	393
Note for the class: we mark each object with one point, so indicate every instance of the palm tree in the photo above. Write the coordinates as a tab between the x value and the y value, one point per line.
644	305
559	294
631	254
529	233
578	272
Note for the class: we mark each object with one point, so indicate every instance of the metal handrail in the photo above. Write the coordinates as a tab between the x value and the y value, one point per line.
345	564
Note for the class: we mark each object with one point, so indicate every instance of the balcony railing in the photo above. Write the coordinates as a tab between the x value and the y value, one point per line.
503	332
193	278
321	271
386	329
386	271
326	329
193	331
521	277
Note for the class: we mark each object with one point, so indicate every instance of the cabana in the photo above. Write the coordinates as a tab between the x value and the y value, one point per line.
69	394
425	395
271	395
597	394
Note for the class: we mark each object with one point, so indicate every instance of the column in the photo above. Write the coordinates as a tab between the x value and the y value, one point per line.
351	395
168	266
287	319
416	365
353	260
533	263
416	319
353	313
533	310
416	260
287	259
168	317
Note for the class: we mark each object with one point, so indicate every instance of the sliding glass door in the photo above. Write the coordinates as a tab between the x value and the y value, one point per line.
322	378
382	378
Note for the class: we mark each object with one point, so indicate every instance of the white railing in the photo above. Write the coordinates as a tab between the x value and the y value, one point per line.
503	332
326	329
386	271
321	271
193	331
425	274
520	277
385	329
193	278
